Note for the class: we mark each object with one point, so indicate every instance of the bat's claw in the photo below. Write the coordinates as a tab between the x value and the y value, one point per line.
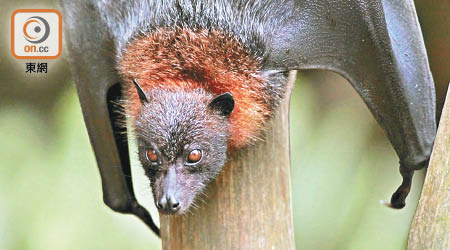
386	203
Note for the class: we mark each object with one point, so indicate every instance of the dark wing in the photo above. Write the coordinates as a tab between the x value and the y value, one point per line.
378	47
91	55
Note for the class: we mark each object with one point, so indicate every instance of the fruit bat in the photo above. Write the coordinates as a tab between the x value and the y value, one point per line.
376	45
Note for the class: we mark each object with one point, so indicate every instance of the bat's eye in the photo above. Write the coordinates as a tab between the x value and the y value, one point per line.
194	156
152	156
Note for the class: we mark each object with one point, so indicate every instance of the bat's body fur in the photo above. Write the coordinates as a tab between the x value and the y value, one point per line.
181	60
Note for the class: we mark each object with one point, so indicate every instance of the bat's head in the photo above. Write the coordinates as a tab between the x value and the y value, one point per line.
182	138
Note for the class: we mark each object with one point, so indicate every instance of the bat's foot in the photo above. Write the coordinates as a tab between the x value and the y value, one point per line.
399	197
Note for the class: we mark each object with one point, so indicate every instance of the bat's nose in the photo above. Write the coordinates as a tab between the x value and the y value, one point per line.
168	203
173	204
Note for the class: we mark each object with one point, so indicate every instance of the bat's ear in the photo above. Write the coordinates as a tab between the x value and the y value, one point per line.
224	104
142	96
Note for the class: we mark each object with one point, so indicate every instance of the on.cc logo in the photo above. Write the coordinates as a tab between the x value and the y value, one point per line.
36	34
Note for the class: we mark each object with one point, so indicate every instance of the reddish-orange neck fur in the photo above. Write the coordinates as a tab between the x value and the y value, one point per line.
181	60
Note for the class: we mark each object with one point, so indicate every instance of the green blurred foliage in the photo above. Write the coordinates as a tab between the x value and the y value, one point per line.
50	189
342	166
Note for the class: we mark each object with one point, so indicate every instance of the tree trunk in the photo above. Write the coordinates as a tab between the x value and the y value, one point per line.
249	205
431	225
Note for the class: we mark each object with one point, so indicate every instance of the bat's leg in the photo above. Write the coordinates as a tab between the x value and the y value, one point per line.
144	215
398	198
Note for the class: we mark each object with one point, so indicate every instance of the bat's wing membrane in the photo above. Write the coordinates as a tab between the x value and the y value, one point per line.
378	47
91	58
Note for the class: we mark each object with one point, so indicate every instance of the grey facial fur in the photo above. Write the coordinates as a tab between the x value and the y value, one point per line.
173	124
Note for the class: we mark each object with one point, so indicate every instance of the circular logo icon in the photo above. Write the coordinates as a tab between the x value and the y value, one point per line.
36	29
